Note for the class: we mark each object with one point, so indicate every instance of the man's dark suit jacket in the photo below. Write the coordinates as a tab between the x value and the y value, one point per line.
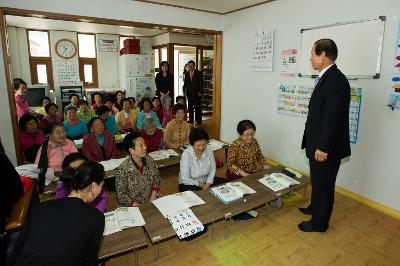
194	86
327	126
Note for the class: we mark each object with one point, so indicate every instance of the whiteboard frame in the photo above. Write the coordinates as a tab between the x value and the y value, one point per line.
380	46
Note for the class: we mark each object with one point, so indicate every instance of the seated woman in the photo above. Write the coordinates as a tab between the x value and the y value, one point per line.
126	119
74	127
197	166
71	219
177	131
119	95
99	145
160	111
43	102
85	113
98	100
75	160
74	99
137	180
52	116
31	138
57	147
109	104
153	136
244	154
182	100
146	112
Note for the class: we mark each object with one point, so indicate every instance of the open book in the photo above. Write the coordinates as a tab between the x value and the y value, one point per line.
163	154
121	218
278	181
176	210
231	191
216	144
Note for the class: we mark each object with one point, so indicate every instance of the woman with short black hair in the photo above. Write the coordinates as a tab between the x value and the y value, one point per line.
177	131
244	154
197	166
31	138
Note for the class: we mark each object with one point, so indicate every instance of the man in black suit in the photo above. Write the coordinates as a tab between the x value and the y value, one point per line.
194	89
326	135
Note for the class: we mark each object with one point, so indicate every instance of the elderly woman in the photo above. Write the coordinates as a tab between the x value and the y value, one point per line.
146	112
74	127
153	136
177	131
99	145
126	119
31	138
57	147
197	166
244	154
137	180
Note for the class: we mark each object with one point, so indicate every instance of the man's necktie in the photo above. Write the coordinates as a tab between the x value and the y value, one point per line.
316	81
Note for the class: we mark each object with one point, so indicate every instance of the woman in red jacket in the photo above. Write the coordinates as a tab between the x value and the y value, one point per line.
99	145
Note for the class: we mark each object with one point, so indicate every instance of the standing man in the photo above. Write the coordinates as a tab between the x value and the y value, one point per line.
326	135
194	89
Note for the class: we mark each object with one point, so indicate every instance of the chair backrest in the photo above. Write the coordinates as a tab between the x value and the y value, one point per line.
19	211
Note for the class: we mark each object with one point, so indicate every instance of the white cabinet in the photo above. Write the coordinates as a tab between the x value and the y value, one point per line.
135	65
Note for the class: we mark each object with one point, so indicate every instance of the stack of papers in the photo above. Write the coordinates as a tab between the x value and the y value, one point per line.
216	145
78	143
163	154
112	163
170	205
32	171
121	218
278	181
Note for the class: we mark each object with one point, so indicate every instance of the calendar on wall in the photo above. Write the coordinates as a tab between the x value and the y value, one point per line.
354	113
67	72
263	51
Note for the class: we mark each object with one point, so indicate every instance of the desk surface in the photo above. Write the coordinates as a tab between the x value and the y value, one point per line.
121	242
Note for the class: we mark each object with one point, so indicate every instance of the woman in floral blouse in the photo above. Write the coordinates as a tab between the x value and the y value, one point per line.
137	179
244	154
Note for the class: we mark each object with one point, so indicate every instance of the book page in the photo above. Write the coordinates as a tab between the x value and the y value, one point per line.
282	178
129	217
112	163
185	223
225	193
241	188
111	224
272	183
170	205
163	154
190	198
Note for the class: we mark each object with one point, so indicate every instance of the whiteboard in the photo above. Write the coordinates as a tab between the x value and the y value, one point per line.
359	47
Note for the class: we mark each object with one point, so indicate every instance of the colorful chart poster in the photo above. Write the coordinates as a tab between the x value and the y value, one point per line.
394	101
289	62
263	51
293	98
354	113
396	66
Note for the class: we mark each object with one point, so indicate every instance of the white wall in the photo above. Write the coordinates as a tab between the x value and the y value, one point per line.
181	38
107	63
372	169
19	53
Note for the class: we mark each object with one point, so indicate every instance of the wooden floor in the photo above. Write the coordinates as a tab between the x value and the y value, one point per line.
358	235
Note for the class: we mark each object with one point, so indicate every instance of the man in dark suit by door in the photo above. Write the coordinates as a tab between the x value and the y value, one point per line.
326	135
194	89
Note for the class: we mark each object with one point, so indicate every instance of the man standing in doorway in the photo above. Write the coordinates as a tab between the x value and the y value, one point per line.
326	135
194	89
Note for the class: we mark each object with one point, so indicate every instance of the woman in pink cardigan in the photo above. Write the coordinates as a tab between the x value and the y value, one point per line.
99	145
57	148
31	138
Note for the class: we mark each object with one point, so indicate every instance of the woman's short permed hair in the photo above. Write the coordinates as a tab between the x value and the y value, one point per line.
244	125
25	119
178	107
196	134
47	107
130	139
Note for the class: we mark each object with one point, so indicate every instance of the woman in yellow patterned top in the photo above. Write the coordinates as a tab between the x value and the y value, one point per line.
176	133
244	154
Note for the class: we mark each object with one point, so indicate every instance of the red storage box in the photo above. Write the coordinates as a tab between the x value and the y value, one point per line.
130	50
131	43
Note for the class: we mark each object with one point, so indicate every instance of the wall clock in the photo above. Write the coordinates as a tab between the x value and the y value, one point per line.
66	48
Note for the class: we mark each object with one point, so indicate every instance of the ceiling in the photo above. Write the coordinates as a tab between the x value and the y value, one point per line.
214	6
51	24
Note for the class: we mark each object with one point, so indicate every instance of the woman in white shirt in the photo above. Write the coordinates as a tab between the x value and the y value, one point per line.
197	166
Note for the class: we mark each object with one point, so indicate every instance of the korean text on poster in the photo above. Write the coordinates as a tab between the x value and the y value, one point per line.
263	51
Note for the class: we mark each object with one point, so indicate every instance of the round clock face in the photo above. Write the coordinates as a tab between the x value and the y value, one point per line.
66	48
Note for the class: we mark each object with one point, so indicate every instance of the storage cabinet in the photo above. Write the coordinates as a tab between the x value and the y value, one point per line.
206	61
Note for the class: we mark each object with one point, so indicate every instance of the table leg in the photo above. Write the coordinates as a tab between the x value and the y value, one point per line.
212	231
136	256
228	221
156	248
